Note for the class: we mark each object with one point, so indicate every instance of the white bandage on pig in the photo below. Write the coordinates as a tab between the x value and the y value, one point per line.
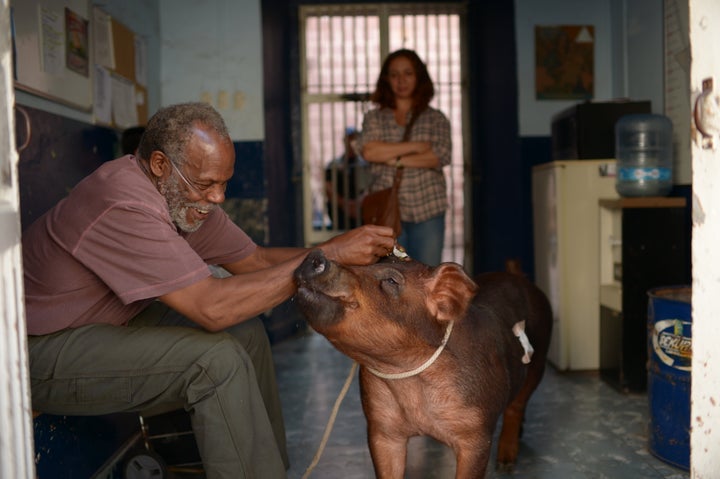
519	331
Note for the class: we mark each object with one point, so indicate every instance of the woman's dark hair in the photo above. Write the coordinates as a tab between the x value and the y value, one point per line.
424	89
170	129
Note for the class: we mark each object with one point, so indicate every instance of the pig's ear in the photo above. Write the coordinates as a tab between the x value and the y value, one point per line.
450	291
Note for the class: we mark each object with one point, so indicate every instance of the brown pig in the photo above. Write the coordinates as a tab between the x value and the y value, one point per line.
440	355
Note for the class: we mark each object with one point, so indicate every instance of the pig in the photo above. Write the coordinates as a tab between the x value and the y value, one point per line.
440	354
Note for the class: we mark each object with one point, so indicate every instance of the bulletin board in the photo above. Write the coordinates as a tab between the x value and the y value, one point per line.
127	59
54	57
126	43
51	50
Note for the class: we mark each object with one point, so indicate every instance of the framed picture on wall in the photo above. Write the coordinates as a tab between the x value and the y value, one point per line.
564	62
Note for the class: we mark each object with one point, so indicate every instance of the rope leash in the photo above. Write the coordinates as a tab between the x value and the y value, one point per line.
331	421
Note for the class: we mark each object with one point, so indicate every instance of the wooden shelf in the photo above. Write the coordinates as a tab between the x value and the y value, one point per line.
644	202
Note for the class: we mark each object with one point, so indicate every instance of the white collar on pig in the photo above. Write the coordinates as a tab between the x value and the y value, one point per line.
423	366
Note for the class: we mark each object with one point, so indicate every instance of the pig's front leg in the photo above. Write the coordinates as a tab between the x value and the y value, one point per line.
473	457
388	454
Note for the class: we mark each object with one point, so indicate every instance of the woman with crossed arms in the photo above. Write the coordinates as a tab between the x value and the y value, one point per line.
402	95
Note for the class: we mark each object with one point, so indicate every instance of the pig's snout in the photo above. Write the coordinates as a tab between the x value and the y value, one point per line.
319	284
314	265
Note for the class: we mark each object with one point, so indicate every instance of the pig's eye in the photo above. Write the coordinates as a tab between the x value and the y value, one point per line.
391	282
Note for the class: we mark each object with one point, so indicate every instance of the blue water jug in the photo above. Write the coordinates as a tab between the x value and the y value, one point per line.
643	148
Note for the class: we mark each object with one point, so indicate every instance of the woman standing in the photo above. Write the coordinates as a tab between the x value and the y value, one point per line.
402	95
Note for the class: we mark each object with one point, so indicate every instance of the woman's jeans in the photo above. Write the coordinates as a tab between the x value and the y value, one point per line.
424	241
226	381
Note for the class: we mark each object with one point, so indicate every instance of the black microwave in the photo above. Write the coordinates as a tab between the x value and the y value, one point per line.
587	130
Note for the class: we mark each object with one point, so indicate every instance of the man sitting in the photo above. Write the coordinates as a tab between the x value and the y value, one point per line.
123	313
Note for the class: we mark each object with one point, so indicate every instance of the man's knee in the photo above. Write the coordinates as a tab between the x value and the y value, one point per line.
223	360
251	335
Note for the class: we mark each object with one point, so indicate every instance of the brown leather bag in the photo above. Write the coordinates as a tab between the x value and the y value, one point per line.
383	207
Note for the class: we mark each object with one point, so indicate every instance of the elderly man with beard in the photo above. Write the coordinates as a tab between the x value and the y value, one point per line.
123	313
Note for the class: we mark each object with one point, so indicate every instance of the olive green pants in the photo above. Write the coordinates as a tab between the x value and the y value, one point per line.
160	361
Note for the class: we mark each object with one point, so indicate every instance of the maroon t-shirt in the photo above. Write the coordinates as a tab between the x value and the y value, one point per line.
108	249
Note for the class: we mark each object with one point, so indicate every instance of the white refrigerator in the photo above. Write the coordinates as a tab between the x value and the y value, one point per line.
566	232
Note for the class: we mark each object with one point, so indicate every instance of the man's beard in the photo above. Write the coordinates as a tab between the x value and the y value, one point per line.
178	205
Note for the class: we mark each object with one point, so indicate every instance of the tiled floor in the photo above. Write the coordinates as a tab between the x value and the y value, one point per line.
577	427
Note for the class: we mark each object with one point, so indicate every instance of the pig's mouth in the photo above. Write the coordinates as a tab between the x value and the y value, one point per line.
318	307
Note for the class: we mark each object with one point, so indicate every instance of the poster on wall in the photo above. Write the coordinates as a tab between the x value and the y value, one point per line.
77	56
564	62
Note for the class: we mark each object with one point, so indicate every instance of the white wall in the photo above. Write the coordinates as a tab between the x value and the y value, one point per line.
535	115
645	52
212	51
628	53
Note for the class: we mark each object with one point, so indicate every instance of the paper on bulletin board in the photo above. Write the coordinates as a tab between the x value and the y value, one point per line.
52	46
102	39
102	106
127	62
140	61
124	102
124	42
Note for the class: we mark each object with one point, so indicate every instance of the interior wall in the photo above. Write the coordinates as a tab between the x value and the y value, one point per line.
535	115
645	64
212	52
628	53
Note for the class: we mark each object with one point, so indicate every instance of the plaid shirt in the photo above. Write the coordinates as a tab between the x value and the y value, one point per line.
423	192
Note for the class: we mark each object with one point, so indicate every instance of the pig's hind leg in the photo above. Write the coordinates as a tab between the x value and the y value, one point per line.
514	414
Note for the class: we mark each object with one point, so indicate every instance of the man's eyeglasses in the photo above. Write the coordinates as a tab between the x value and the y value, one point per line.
198	190
192	187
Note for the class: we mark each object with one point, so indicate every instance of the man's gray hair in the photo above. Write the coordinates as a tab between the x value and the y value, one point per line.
171	127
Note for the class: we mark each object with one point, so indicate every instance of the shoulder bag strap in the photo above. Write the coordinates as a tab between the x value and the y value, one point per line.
406	137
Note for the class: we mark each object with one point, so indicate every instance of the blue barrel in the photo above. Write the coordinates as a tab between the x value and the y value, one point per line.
669	373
